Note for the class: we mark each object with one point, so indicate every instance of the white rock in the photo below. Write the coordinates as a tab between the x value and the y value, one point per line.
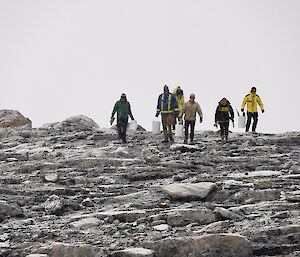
162	227
37	255
188	190
51	177
150	155
133	252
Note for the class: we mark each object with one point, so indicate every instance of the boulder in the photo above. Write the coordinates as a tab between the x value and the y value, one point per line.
215	245
184	148
54	205
68	250
150	154
10	210
189	190
79	122
13	119
182	217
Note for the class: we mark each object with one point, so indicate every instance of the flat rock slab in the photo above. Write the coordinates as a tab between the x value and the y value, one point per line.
133	252
189	190
85	223
124	216
182	217
253	174
184	148
216	245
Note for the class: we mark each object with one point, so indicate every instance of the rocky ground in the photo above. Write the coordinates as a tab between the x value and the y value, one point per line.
71	189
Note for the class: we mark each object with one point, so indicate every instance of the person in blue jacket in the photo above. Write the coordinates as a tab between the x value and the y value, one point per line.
167	106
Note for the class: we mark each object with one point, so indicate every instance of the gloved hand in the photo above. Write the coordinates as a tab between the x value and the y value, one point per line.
262	111
156	115
216	125
242	110
201	119
112	120
132	118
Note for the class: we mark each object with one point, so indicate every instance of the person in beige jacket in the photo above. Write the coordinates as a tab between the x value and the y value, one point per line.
190	109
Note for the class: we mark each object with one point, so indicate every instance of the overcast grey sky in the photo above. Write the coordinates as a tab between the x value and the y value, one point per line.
61	58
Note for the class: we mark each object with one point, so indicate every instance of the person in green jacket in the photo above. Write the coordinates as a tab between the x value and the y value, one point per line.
123	110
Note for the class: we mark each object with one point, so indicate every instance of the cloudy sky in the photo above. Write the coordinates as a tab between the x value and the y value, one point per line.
61	58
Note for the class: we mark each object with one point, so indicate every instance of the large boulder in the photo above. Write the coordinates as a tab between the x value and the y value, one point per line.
10	210
13	119
79	122
215	245
189	190
68	250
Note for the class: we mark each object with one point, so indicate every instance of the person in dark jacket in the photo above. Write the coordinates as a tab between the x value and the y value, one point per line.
123	110
167	106
224	113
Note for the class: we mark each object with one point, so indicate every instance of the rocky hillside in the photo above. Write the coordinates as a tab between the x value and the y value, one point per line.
71	189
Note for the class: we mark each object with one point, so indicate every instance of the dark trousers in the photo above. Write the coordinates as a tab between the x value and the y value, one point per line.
122	127
224	127
250	116
188	123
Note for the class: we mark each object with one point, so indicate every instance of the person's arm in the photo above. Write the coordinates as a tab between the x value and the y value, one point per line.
244	103
158	108
260	104
183	110
200	112
175	103
130	113
115	109
231	113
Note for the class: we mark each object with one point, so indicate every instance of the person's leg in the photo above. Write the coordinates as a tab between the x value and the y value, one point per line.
171	123
119	127
226	130
123	128
186	130
164	124
193	122
255	120
222	130
249	117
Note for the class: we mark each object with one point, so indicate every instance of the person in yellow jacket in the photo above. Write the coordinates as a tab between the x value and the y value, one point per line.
252	100
178	92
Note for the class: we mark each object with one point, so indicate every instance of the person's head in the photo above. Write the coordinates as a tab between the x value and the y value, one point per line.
123	97
192	97
253	90
179	92
166	89
223	101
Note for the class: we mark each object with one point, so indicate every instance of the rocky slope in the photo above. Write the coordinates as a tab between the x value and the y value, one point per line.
72	189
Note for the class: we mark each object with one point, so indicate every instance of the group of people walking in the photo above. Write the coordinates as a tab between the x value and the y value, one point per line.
173	109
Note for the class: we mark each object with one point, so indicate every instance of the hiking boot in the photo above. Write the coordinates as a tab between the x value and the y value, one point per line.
171	139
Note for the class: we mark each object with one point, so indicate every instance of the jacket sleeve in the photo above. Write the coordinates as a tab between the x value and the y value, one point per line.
115	109
130	113
231	111
259	101
244	102
158	108
199	111
174	102
216	114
